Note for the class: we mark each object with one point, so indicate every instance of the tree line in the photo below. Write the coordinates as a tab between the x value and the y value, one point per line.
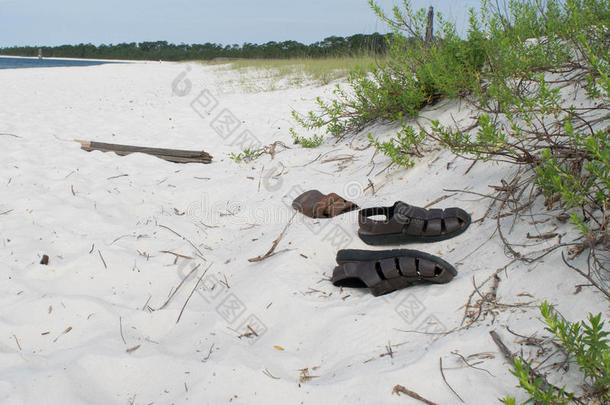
162	50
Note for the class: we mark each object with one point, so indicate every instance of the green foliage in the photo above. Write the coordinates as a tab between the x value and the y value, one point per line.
516	59
568	42
305	142
508	400
587	344
585	187
539	392
246	155
415	74
403	147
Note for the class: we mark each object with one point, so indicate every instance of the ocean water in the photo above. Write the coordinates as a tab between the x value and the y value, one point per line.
18	63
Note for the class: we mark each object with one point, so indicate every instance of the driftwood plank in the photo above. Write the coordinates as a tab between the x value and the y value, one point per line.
172	155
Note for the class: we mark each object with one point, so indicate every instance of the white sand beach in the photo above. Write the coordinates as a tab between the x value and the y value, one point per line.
99	323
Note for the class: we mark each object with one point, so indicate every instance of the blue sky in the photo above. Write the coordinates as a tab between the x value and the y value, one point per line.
45	22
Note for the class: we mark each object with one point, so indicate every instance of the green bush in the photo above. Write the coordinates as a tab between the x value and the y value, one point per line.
246	155
512	67
403	147
415	74
587	188
585	343
312	142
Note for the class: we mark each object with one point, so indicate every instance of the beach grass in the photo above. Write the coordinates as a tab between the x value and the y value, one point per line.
298	70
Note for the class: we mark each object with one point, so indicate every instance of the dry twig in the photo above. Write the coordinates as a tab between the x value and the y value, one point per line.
399	389
440	360
191	294
178	288
272	252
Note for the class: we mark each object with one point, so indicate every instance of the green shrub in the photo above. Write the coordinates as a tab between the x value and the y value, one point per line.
415	74
512	67
312	142
568	46
246	155
587	188
403	147
585	343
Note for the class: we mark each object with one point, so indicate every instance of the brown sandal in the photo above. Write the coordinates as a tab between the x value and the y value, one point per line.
385	271
314	204
406	223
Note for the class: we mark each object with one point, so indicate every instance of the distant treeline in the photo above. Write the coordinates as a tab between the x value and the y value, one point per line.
161	50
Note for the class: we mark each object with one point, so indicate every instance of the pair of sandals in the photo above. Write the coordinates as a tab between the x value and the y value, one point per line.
386	271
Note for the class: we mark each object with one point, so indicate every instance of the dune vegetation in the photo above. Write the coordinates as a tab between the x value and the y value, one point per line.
535	74
320	70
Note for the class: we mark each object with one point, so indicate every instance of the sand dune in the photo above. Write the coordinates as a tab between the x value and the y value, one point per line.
91	327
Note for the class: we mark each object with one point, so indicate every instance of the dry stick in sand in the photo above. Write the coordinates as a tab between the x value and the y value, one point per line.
191	294
440	361
399	389
431	203
121	329
102	257
68	329
465	360
132	349
177	288
587	276
176	254
260	179
116	177
17	341
268	374
185	239
272	252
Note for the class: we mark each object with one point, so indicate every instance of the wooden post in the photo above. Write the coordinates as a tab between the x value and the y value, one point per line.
429	26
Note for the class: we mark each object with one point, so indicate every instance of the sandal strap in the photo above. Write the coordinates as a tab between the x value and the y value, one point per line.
386	275
375	226
412	220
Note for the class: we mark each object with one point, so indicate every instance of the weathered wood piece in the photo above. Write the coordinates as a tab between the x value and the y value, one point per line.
172	155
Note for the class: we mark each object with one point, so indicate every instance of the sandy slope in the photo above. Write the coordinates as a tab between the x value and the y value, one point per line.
104	235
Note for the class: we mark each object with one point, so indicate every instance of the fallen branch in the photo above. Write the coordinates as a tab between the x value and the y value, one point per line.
272	252
171	155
